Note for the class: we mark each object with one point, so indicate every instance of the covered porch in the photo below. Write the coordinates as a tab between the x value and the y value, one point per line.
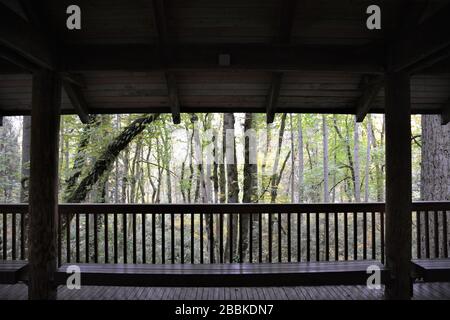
47	70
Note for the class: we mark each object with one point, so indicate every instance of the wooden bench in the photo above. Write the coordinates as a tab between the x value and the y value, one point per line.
223	275
431	270
12	272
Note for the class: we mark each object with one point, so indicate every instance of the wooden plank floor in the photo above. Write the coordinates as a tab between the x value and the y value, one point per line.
422	291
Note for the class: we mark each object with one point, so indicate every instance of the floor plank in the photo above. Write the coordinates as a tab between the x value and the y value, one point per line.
422	291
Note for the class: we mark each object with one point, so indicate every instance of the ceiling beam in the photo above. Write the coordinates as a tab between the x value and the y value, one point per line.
159	16
372	87
271	58
78	101
174	101
272	99
287	14
19	36
427	39
445	116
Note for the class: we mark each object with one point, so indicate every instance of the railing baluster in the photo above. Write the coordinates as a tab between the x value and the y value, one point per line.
355	236
345	236
106	239
231	235
327	237
308	237
77	237
364	235
201	238
250	240
95	238
418	234
427	235
22	236
116	242
134	238
374	243
68	241
192	238
317	236
143	239
153	238
280	239
336	237
163	238
211	236
125	238
240	238
172	238
13	237
436	233
182	237
221	238
382	235
444	229
260	237
86	232
59	242
289	237
5	238
270	237
299	237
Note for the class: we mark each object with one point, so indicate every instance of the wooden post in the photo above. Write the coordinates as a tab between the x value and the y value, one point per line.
398	185
43	197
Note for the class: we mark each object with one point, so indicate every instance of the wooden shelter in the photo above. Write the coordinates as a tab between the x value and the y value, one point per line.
266	56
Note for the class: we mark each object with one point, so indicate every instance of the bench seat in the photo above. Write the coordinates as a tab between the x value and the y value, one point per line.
12	272
432	270
220	275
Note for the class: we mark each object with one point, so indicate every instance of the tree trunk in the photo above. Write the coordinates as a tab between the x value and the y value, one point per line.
357	167
275	175
435	173
368	160
107	158
301	164
326	188
232	180
250	187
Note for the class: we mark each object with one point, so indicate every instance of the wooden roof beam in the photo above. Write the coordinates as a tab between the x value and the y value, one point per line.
287	15
78	100
159	15
445	116
372	87
272	99
270	58
426	40
174	101
20	36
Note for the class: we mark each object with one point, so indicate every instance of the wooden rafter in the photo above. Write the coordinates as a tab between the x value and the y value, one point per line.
78	100
372	87
287	14
272	99
427	39
445	116
159	15
20	36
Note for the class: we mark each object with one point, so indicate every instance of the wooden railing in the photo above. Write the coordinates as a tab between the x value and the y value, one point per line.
203	233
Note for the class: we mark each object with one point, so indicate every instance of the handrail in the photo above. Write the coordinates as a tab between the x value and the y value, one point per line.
242	208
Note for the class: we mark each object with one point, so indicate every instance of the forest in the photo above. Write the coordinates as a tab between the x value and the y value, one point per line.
223	158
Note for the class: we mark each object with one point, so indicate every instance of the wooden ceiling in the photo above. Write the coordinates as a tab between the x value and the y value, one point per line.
307	56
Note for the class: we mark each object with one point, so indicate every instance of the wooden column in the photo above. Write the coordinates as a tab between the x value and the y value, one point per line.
43	193
398	185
